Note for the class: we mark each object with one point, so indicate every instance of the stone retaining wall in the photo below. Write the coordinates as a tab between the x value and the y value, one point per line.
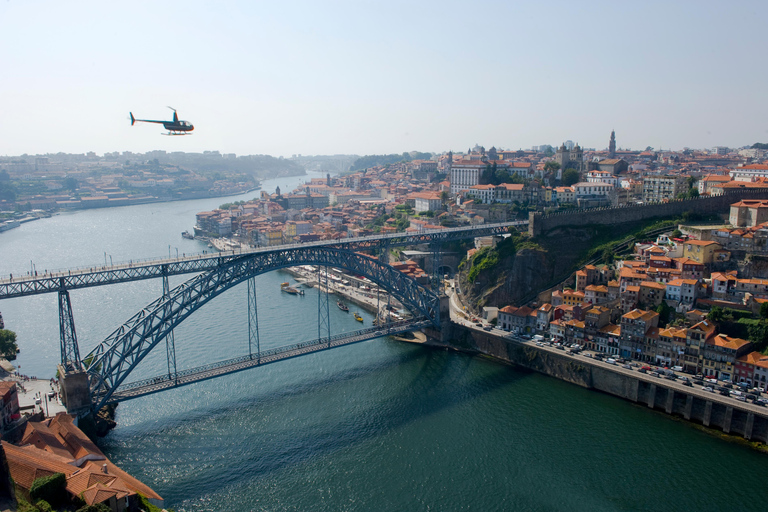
715	412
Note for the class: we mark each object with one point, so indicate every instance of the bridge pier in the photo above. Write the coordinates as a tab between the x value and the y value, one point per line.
75	392
443	335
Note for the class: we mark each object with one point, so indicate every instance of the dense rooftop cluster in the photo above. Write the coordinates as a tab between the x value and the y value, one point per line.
653	308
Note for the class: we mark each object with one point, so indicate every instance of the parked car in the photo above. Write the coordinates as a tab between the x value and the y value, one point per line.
725	392
643	370
708	388
688	383
610	360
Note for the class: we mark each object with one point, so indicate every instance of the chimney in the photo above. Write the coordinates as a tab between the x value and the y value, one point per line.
104	469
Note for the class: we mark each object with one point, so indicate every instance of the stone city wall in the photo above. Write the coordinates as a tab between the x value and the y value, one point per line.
540	224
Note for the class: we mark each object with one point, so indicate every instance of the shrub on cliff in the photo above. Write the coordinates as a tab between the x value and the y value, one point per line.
51	489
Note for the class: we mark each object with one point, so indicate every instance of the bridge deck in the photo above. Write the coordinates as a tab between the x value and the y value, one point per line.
201	373
85	277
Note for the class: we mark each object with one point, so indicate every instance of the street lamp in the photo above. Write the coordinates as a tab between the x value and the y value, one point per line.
177	253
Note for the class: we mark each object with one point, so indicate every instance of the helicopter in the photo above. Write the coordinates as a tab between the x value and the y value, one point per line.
174	127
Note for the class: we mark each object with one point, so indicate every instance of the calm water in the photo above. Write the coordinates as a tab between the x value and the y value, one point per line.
379	425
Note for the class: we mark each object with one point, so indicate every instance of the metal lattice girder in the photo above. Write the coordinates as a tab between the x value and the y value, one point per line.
323	308
437	261
170	341
119	354
121	273
253	320
70	352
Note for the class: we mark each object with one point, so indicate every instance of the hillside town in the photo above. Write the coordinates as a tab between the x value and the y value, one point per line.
613	309
658	305
61	181
479	186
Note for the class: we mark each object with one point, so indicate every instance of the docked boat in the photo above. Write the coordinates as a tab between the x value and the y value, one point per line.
342	306
358	317
187	235
287	288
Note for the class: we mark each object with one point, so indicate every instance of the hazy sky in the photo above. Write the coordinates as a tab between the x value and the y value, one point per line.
325	77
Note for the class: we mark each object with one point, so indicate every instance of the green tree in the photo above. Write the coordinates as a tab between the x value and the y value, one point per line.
70	183
716	314
570	177
551	166
666	313
607	256
8	346
764	310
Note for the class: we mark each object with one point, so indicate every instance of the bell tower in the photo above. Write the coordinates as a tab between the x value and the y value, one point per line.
612	145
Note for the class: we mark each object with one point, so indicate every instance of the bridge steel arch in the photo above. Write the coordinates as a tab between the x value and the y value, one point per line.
110	363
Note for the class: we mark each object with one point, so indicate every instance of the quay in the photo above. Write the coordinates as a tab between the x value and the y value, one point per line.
365	300
671	397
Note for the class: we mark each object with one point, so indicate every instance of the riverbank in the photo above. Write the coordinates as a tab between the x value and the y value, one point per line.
707	409
365	299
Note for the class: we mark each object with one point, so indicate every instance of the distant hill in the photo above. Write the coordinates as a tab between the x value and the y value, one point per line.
364	162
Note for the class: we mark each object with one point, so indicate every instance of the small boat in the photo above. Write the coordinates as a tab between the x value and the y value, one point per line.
342	306
358	317
187	235
287	288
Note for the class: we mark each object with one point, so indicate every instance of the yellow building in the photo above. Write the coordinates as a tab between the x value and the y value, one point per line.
701	251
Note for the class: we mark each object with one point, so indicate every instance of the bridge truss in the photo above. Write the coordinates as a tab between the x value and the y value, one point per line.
112	361
117	356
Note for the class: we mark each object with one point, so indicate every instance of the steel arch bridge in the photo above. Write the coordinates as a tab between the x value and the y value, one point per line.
112	361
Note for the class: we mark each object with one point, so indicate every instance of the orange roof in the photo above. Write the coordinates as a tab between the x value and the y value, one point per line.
721	340
653	284
753	358
705	326
637	314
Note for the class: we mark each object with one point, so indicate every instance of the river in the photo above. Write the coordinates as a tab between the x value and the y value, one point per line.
379	425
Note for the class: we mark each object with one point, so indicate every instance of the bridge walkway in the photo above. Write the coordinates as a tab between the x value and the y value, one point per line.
156	384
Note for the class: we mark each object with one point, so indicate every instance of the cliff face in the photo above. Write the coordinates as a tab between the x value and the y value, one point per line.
511	279
750	265
519	273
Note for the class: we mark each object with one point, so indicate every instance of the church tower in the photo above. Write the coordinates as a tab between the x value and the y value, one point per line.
563	156
612	145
